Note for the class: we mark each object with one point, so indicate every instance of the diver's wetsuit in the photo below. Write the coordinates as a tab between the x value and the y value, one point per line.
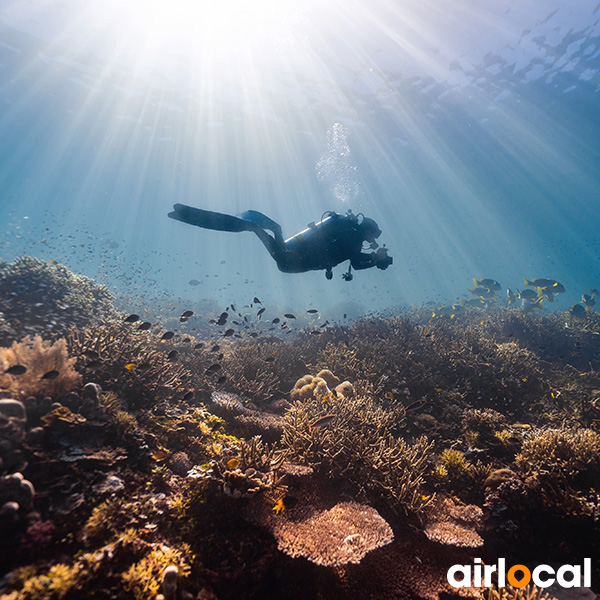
321	245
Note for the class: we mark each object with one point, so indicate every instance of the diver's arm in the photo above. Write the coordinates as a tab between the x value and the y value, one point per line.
364	261
379	259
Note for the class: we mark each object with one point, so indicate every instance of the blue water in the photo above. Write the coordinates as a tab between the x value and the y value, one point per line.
468	130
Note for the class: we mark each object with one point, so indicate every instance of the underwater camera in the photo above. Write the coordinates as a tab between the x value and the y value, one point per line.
382	260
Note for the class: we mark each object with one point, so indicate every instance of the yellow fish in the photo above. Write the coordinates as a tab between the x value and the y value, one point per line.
279	506
232	464
130	366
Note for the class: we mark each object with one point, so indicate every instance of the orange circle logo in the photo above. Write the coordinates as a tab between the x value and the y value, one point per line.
518	583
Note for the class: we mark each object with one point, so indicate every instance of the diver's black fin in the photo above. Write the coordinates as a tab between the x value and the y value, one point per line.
208	219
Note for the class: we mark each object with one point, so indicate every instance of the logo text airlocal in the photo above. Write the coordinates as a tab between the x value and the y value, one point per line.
480	575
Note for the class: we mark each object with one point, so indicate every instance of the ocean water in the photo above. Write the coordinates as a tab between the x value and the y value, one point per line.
468	130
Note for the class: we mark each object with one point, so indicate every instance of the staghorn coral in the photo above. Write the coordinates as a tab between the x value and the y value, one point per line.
152	375
343	534
561	452
359	445
243	471
508	592
43	298
40	357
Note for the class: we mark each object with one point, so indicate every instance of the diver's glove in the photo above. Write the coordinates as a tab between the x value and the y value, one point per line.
382	260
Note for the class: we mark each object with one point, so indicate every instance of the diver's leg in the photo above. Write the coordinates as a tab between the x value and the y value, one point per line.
265	222
208	219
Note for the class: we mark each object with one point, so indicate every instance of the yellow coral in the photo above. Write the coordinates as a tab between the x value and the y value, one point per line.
454	460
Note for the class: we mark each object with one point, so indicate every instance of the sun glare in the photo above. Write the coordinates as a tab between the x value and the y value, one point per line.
214	26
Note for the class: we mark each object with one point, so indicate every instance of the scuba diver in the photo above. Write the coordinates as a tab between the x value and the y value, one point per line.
323	245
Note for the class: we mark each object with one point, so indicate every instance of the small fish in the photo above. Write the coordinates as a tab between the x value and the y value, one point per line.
578	311
198	345
490	284
221	380
187	314
321	422
167	335
193	282
172	355
283	503
594	292
232	464
50	375
132	318
16	370
269	359
446	311
130	366
588	300
261	311
474	303
256	300
289	316
213	369
52	262
95	364
512	297
145	326
312	311
482	292
529	294
232	308
215	348
545	284
159	455
279	506
229	332
188	396
329	396
223	318
276	320
91	354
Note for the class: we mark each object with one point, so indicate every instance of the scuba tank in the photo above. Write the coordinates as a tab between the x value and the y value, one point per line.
307	236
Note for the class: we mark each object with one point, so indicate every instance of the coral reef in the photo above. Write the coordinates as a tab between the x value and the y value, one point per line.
50	371
454	525
343	534
42	298
136	470
130	360
360	446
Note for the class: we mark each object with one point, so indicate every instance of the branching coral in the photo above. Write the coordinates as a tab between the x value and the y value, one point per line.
242	473
359	445
564	452
127	359
50	371
44	298
529	592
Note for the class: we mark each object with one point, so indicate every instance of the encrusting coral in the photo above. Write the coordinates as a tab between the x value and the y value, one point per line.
343	534
454	525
